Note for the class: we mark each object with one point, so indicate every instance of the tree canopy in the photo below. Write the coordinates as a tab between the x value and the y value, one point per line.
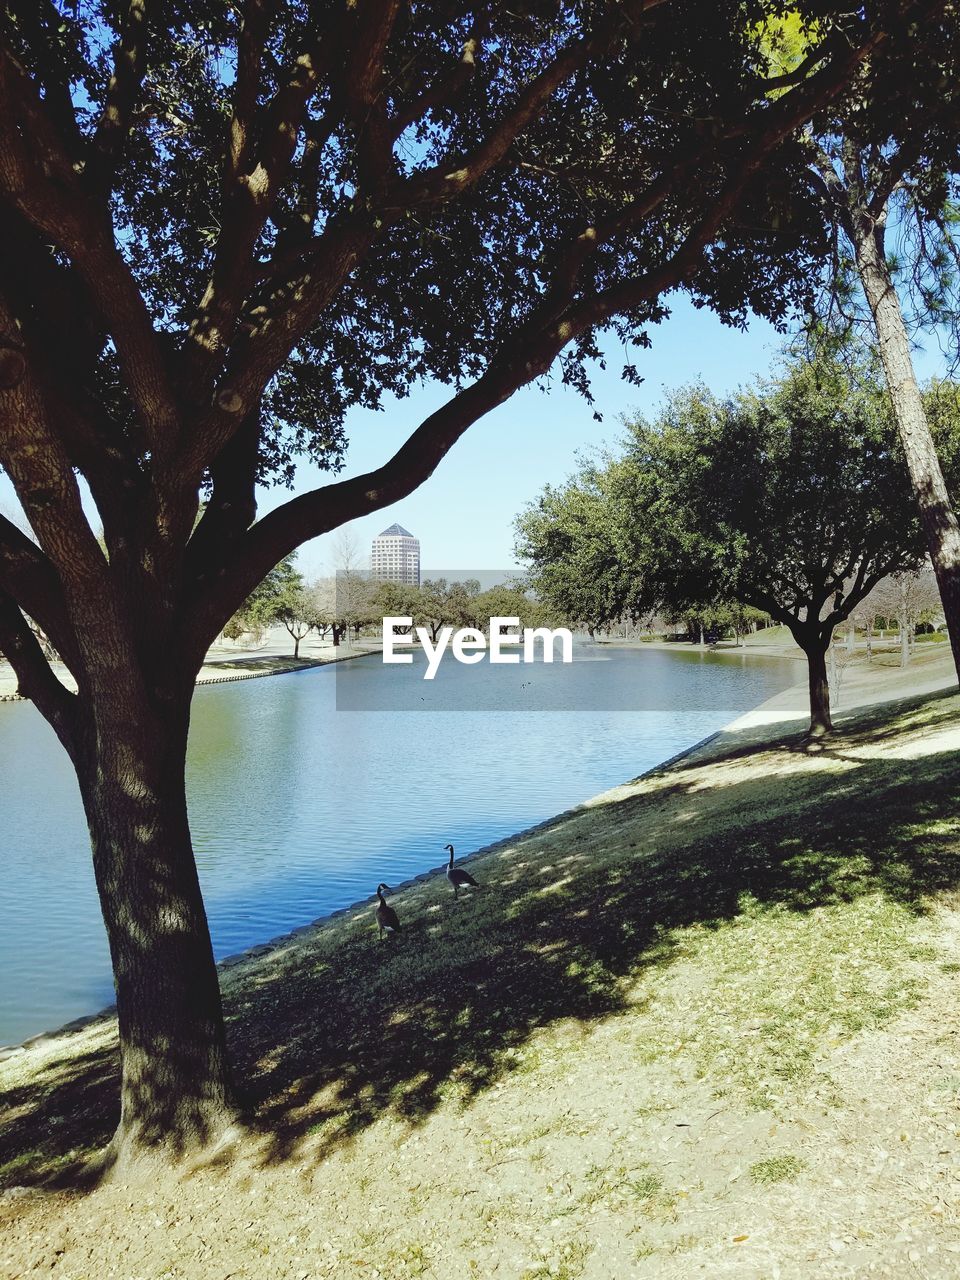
252	234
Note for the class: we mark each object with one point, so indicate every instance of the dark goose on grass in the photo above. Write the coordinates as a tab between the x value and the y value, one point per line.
298	808
459	878
387	919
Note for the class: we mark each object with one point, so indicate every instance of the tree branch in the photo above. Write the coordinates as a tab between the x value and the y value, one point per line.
27	575
36	461
35	676
232	508
829	186
121	97
61	337
445	90
251	42
42	21
253	177
361	90
449	179
38	179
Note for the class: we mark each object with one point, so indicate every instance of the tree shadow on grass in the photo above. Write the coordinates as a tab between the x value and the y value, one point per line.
327	1038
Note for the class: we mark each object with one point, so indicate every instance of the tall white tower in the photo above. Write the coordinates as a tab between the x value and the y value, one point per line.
395	556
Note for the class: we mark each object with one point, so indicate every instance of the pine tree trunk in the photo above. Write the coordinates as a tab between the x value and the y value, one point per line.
175	1091
936	510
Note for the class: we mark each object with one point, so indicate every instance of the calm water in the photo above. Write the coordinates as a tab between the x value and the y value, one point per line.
299	809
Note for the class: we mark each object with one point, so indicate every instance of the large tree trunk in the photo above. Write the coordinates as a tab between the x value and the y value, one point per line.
175	1091
816	653
936	510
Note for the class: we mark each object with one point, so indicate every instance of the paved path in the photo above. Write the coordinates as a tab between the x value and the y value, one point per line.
859	685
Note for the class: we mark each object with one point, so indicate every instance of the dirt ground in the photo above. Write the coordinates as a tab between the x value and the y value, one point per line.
705	1025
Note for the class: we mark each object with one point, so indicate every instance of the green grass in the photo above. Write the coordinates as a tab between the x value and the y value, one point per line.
784	987
768	635
783	1168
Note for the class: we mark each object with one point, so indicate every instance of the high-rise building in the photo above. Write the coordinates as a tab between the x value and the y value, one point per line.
395	556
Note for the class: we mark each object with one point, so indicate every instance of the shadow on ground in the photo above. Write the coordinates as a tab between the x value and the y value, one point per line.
565	922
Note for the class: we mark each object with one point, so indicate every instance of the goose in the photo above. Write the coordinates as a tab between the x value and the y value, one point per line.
457	876
387	918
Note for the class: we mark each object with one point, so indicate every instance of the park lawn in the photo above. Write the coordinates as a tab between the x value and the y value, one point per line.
705	1023
773	635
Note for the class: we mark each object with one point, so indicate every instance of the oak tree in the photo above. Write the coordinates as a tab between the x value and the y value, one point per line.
791	498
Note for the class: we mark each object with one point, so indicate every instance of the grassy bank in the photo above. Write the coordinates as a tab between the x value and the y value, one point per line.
705	1024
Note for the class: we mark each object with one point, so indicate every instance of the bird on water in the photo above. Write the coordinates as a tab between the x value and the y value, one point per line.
457	876
387	918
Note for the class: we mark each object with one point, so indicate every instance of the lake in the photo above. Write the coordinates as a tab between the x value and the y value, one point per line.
299	809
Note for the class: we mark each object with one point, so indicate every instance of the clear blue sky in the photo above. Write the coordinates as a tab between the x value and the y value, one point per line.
463	514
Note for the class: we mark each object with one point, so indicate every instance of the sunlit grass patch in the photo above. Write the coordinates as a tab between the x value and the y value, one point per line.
781	989
775	1169
617	1187
404	1262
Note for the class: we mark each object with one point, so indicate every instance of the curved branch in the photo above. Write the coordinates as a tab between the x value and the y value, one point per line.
35	676
27	575
448	180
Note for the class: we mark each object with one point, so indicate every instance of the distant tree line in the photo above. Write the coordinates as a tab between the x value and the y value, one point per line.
351	602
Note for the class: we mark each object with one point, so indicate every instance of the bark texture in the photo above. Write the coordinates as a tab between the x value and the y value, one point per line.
937	514
175	1090
821	722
